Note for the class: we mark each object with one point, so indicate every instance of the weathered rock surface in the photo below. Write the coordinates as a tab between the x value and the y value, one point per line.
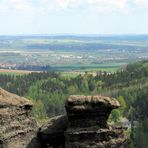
17	127
85	125
86	111
52	133
88	126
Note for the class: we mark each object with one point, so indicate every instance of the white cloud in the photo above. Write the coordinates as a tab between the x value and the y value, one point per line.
141	2
19	4
97	5
113	3
109	5
105	5
67	3
8	5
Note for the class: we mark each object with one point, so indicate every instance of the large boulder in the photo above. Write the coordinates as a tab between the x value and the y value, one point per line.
17	127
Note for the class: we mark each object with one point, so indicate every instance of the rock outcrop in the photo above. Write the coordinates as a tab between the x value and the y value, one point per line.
85	125
88	126
17	127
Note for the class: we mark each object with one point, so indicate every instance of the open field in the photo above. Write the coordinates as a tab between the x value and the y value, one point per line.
15	72
71	53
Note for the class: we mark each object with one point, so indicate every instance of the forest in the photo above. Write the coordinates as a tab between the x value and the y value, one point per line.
48	91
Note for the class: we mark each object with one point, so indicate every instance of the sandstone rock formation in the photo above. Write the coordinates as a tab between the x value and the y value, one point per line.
88	127
17	127
85	125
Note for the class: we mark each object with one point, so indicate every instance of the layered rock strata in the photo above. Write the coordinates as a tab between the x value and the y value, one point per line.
84	126
17	127
88	126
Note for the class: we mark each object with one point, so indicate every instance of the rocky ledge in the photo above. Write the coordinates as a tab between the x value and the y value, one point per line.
17	127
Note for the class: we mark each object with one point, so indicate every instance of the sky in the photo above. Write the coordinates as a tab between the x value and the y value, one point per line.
25	17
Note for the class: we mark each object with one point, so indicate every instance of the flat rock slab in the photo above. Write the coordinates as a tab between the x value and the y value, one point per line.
78	100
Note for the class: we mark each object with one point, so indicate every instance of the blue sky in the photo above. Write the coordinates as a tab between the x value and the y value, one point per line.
73	17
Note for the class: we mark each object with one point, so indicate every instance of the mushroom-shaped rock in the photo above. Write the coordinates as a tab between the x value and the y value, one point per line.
88	127
85	111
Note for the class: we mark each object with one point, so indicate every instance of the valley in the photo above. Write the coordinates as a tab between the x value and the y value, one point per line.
71	53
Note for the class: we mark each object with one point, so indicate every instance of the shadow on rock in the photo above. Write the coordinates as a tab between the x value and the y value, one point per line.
51	135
